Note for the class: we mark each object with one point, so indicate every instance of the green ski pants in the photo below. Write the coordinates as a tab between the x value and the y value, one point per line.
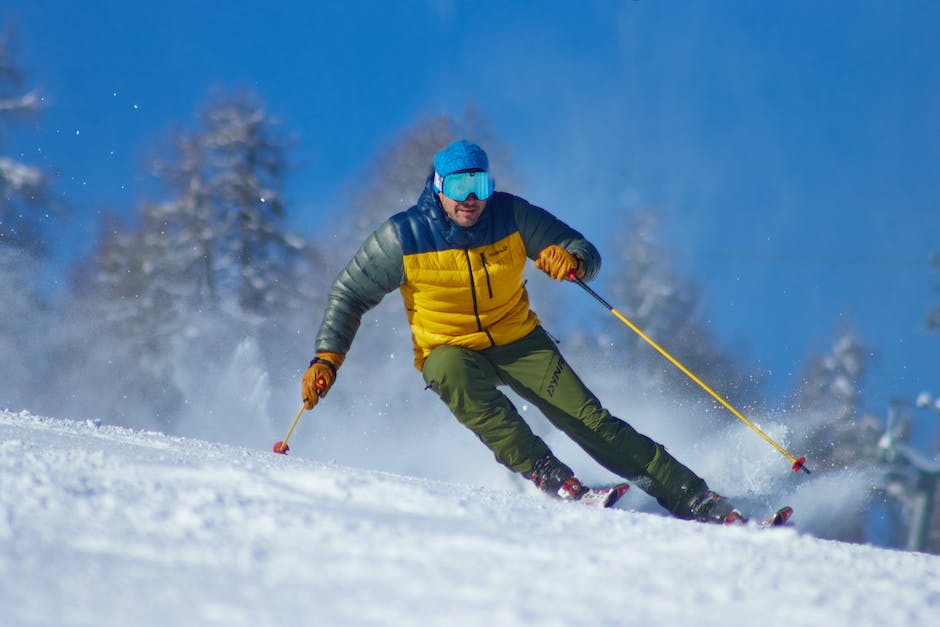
467	381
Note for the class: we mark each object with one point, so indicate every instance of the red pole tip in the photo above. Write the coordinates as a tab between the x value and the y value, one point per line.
281	448
798	464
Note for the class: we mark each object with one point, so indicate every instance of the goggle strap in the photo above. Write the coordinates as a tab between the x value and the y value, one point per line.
438	182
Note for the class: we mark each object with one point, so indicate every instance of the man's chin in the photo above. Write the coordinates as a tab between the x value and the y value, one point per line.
467	219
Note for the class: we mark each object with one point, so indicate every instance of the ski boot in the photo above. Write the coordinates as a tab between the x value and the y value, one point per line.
710	507
554	478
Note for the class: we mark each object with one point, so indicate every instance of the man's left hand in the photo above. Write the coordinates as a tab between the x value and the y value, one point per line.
558	263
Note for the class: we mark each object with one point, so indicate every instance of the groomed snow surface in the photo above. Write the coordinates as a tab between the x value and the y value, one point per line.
102	525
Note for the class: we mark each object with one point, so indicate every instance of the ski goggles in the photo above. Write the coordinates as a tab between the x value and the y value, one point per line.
460	185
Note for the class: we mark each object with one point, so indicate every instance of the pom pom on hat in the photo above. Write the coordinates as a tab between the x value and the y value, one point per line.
459	156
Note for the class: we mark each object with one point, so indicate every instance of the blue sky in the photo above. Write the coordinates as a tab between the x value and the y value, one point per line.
792	149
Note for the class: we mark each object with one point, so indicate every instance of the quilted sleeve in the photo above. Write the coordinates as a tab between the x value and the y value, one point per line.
374	271
539	229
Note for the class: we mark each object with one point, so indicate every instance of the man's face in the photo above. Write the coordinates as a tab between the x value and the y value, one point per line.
464	213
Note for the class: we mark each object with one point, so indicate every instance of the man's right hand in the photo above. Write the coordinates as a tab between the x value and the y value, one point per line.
319	377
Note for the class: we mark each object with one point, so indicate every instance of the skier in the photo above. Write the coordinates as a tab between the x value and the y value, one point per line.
458	258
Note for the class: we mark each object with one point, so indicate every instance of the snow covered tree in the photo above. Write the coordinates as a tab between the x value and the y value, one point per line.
840	435
225	217
142	283
933	324
24	197
933	320
933	316
263	277
209	265
22	332
185	221
667	308
115	358
833	381
246	163
25	206
829	392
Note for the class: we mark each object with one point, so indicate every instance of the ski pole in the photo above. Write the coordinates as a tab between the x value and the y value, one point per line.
798	462
280	446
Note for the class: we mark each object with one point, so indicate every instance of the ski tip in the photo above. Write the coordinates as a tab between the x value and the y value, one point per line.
615	493
601	496
779	519
781	516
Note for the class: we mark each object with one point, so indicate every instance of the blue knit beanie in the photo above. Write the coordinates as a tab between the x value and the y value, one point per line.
461	155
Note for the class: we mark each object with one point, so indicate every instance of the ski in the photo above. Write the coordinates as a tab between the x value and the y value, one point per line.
603	497
779	519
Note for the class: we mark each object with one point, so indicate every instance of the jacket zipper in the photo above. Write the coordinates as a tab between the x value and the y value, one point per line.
486	271
473	294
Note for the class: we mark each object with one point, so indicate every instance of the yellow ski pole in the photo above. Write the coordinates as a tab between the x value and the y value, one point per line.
280	446
798	462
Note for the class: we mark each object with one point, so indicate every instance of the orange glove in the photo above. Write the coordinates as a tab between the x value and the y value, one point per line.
558	263
319	377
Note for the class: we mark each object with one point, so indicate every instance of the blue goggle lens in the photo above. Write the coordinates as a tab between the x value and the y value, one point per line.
460	185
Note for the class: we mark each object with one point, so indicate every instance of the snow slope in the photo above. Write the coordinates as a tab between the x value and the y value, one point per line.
103	525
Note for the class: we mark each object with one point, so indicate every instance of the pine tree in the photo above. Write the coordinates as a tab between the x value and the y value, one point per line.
263	279
24	211
24	189
666	308
933	539
933	316
830	392
841	436
115	360
202	269
22	329
225	218
246	165
831	382
187	220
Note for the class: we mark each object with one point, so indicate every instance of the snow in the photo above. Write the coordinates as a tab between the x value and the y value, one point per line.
19	176
103	525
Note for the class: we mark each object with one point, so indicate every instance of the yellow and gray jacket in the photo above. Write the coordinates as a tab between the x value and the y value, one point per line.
461	286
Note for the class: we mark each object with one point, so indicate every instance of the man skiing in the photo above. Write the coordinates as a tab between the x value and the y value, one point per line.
458	258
